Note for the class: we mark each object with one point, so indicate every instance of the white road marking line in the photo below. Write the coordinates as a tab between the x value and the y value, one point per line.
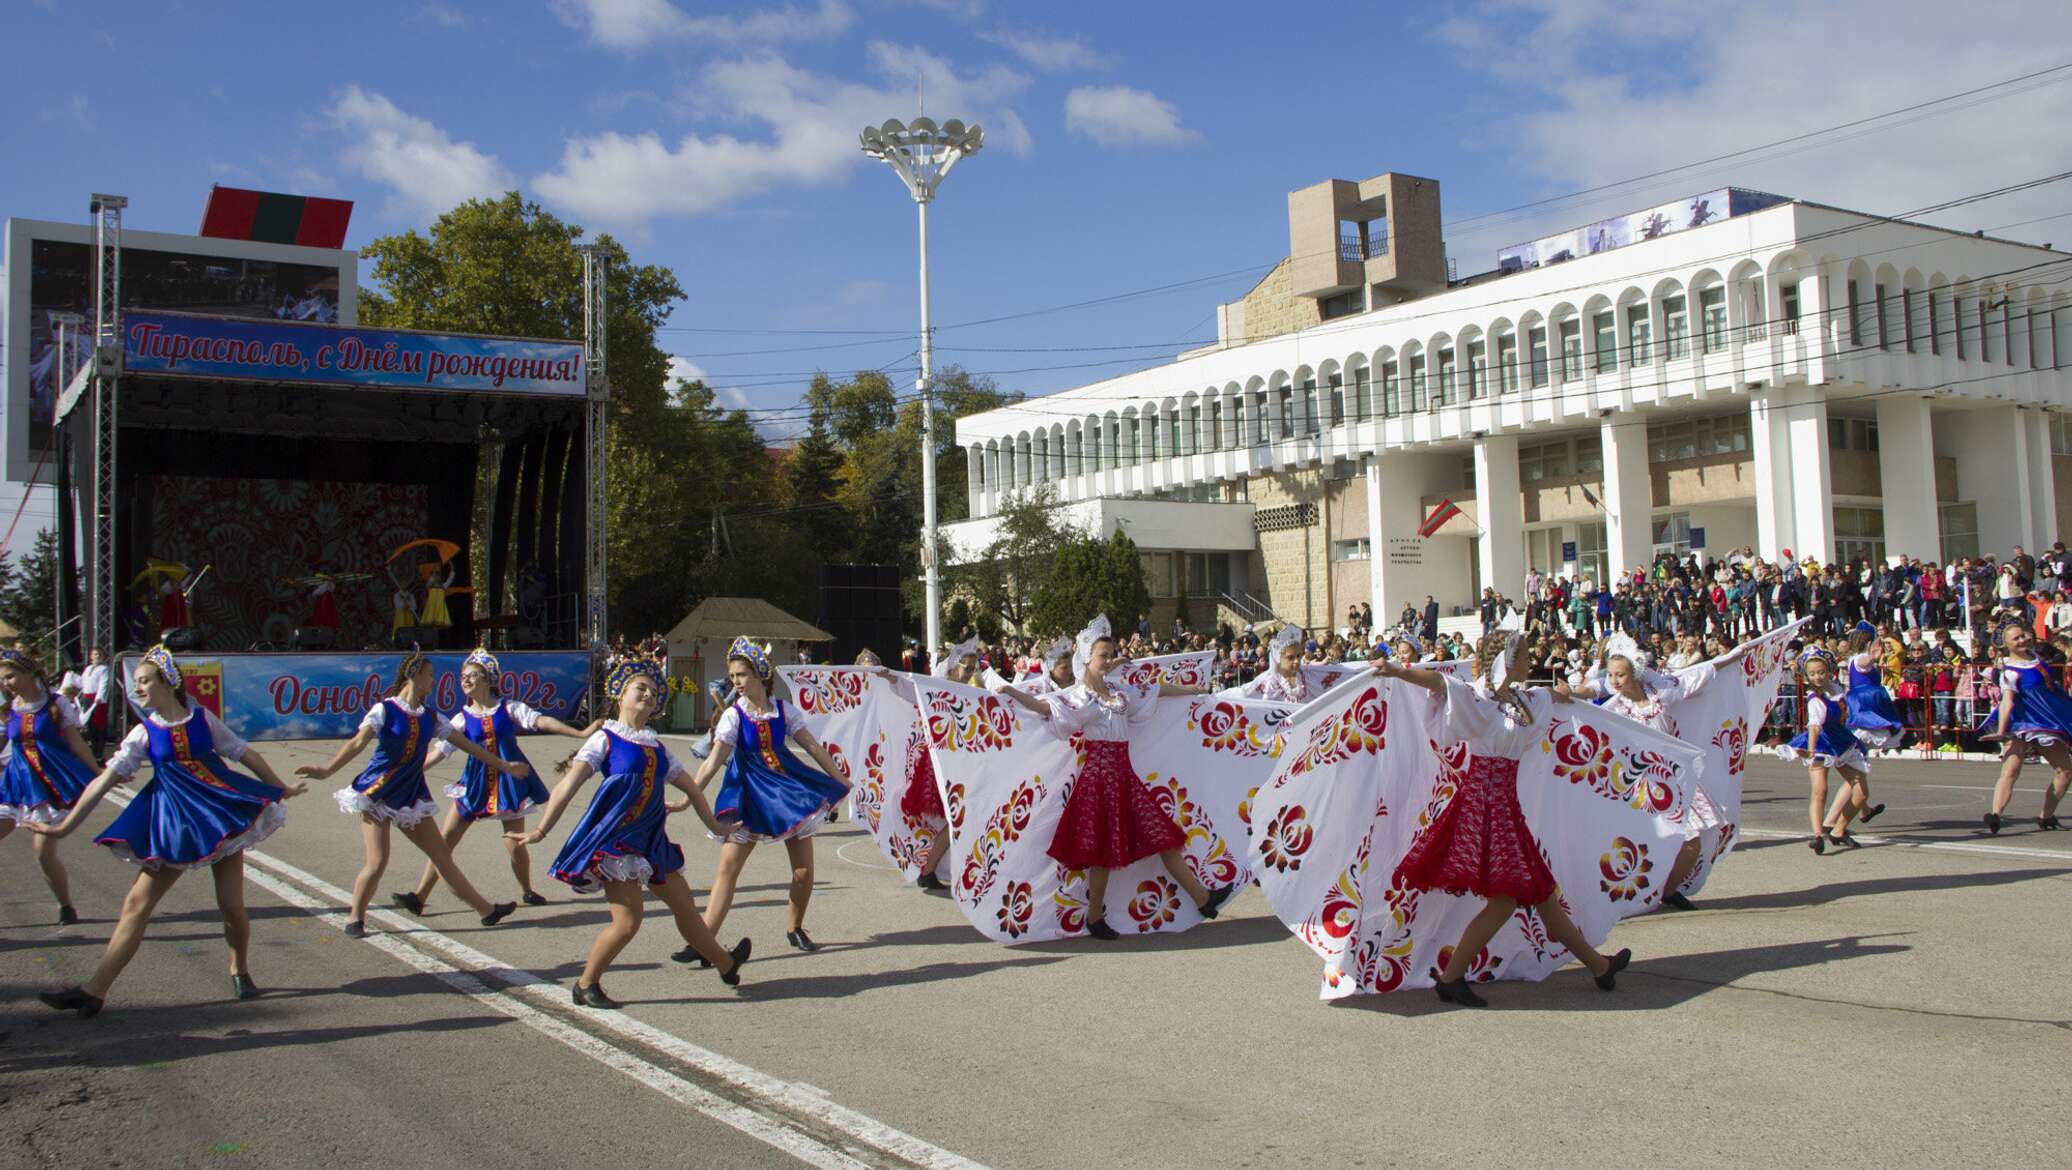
754	1124
790	1095
2060	856
842	851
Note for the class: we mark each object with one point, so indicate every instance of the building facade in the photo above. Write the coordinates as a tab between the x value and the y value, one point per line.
1725	371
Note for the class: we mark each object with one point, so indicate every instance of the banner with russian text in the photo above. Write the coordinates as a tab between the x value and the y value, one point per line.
323	696
180	345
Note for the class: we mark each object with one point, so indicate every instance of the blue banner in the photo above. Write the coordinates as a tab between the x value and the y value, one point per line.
323	696
292	351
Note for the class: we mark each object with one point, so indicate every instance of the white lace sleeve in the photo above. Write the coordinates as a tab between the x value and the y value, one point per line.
526	717
442	747
134	750
374	718
1816	717
67	712
229	744
596	752
728	729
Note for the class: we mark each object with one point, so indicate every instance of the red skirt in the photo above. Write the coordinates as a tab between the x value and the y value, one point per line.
1111	819
1479	845
922	800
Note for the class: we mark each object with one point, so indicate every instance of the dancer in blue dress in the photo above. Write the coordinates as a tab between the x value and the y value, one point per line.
196	811
493	722
48	765
771	793
1828	743
1872	714
622	843
391	789
2034	715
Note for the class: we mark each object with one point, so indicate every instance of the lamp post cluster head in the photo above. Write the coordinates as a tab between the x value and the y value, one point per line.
921	151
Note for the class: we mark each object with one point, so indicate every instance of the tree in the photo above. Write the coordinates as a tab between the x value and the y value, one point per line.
1006	575
505	266
29	591
1092	576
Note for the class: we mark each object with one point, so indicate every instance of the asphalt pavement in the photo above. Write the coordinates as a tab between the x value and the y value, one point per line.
1903	1002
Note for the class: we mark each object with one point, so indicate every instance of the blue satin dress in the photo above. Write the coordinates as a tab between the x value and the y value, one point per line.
392	785
481	796
42	778
1836	741
1872	713
2042	712
767	788
622	836
196	810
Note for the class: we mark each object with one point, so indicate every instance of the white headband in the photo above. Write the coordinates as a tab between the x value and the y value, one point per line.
956	654
1083	645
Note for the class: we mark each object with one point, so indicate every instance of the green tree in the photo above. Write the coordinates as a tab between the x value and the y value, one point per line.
1006	575
1092	576
29	590
505	266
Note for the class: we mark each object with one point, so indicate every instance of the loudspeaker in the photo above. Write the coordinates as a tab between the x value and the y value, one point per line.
315	638
860	606
181	638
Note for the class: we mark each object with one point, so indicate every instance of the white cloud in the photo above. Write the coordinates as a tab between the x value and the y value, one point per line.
808	126
1623	88
443	15
422	164
636	24
1117	115
1050	54
105	39
683	369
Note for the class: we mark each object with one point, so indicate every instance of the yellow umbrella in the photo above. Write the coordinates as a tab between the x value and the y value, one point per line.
445	549
154	567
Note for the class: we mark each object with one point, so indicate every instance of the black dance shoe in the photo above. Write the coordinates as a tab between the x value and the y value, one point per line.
1845	841
72	999
1676	901
1819	842
357	928
242	987
1459	992
740	955
1993	823
593	997
498	913
800	941
1870	813
928	881
690	955
67	916
1217	897
408	900
1100	929
1610	978
2047	823
533	898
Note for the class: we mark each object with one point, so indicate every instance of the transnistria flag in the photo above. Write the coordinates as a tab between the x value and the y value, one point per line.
234	213
1446	510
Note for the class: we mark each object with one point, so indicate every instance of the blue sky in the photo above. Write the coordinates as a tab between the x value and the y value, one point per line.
1130	146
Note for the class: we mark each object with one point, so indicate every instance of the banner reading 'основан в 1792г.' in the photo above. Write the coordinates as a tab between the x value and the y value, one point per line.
179	345
323	696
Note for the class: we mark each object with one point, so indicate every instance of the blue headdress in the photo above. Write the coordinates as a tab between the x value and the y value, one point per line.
411	661
487	661
21	658
757	657
620	671
1821	652
162	658
1863	628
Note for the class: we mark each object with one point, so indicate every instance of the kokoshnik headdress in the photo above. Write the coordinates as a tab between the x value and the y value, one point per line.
1083	645
160	657
1821	652
487	661
1622	645
618	672
1288	635
756	656
412	661
958	653
1055	653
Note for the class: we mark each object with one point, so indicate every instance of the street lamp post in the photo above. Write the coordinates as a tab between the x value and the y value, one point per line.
922	153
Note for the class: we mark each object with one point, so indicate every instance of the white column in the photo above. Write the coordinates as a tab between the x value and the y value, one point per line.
1629	494
1774	531
2043	490
1989	445
1906	468
1812	502
1378	531
974	481
1501	509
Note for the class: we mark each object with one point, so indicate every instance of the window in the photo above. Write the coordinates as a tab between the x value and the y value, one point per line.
1543	461
1259	421
1859	535
1934	323
1537	343
1158	573
1712	318
1724	434
1216	423
1391	391
1363	395
1605	329
1957	324
1672	533
2035	345
1755	326
1207	574
1789	310
1571	349
1446	391
1985	334
1351	550
2007	346
1639	330
1855	315
2060	433
1417	382
1676	327
1507	361
1478	381
1959	529
1309	407
1344	304
1543	549
1906	314
1286	399
1852	434
1337	393
1173	435
1884	322
1590	456
1591	559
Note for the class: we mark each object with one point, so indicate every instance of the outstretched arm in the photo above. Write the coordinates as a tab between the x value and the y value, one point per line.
804	739
346	751
489	759
572	782
1416	676
108	778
